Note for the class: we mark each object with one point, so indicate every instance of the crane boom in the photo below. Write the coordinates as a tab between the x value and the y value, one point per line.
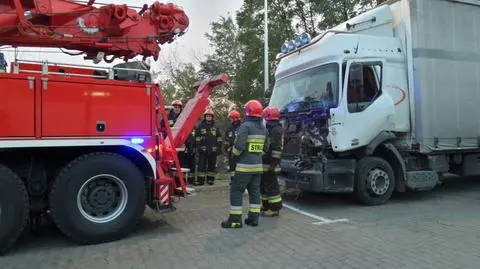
113	30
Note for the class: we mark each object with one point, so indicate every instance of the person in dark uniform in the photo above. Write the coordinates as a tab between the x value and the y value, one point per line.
269	188
248	148
209	144
230	135
189	157
172	115
172	118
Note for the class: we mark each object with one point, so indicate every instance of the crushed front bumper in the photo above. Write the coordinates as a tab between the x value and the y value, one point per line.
335	176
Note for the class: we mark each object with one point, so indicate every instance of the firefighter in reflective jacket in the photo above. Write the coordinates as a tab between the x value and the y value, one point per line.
209	144
230	135
174	113
269	188
248	149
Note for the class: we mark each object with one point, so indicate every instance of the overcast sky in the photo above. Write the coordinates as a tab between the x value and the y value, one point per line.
192	44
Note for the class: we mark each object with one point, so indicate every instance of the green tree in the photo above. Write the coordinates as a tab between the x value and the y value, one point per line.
226	57
227	52
176	78
250	19
335	12
307	16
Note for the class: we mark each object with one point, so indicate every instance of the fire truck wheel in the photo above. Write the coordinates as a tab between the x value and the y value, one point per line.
97	198
14	207
374	181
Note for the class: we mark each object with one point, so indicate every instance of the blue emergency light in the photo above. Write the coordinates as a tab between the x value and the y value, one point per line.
137	140
291	45
284	48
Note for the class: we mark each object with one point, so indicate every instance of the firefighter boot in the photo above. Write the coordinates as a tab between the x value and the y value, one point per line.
200	181
210	180
271	213
234	221
252	219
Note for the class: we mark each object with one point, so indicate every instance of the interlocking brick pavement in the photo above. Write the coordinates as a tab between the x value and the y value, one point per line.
191	237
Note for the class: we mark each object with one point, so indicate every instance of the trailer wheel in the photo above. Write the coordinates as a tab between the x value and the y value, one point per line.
374	181
14	208
98	198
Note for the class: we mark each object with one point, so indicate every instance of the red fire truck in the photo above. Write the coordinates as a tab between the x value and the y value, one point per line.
81	145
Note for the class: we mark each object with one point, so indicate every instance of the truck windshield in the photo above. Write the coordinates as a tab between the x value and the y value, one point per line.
317	85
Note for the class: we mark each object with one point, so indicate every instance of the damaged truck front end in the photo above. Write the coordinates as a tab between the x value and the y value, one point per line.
308	162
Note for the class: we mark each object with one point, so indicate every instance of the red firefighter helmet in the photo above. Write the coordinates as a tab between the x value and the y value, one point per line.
208	111
177	103
234	115
253	108
271	113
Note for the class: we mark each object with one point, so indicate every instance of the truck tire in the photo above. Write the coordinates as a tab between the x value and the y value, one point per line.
97	198
14	208
374	181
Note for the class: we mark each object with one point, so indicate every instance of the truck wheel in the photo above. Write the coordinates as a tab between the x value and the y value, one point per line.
14	207
97	198
374	181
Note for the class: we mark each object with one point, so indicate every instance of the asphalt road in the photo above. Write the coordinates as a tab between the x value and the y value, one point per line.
440	229
455	201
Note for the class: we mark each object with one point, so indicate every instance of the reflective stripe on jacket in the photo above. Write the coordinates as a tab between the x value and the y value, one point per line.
249	146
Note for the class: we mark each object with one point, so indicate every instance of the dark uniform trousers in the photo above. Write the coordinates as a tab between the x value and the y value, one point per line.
206	167
189	158
230	135
240	183
270	191
248	150
209	142
190	164
269	188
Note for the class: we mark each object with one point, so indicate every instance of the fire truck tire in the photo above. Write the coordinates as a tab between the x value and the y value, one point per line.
374	181
98	198
14	208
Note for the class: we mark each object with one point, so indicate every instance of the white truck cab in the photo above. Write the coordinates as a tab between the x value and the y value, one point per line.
353	106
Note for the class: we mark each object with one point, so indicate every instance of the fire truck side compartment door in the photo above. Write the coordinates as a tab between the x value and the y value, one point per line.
17	106
103	108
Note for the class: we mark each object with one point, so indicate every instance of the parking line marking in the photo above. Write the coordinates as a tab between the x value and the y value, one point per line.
305	213
330	221
321	220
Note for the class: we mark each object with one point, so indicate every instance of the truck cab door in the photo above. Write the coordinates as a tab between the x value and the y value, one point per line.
364	110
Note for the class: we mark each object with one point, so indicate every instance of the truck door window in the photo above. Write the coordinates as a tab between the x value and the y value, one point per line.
363	86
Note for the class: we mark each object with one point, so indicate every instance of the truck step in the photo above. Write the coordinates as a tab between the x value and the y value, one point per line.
161	209
422	180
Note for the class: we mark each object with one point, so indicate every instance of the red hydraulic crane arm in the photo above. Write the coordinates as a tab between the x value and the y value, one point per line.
195	106
111	30
186	121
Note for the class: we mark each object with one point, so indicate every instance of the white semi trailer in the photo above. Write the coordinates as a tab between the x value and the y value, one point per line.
384	102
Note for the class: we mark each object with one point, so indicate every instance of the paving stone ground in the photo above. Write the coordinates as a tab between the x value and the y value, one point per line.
436	230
